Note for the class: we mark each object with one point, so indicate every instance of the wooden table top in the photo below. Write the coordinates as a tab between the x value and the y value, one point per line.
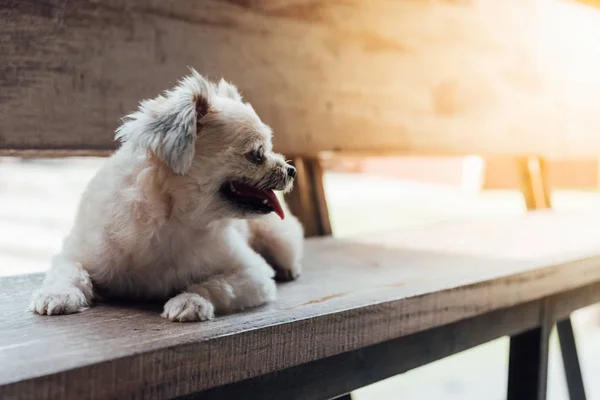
354	293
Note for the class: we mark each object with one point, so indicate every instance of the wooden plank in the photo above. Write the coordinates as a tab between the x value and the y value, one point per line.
307	201
352	370
54	153
327	75
354	293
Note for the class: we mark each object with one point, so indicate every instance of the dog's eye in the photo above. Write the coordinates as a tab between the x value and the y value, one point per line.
256	156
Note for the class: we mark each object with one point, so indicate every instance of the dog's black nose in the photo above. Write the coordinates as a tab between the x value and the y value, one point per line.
291	171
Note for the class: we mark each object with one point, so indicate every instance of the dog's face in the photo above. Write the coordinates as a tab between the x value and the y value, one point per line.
206	132
234	155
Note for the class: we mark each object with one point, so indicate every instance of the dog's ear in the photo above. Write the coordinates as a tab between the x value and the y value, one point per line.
168	125
227	89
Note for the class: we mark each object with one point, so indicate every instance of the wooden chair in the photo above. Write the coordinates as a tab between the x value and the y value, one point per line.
373	77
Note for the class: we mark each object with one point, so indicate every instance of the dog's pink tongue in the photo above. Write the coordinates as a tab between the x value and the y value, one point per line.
274	202
263	194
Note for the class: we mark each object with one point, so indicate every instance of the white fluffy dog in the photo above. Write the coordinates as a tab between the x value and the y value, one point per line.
182	210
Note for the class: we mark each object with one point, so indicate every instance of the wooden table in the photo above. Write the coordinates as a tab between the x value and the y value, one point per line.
365	309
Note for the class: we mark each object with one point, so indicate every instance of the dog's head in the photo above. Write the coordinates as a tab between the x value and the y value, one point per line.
207	133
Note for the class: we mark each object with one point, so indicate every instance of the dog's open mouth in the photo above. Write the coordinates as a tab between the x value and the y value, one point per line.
252	198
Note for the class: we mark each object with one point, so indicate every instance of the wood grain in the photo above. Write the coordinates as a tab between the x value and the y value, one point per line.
355	293
438	77
332	376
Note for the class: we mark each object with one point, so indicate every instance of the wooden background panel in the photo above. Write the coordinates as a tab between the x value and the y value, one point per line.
471	76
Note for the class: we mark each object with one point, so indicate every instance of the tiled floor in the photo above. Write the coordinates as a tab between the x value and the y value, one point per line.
38	200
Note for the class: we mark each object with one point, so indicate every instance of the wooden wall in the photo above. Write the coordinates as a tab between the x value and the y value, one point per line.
419	76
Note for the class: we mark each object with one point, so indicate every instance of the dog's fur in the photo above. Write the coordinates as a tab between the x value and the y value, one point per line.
153	222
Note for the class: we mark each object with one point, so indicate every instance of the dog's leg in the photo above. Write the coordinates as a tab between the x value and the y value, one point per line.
280	243
249	284
222	295
67	289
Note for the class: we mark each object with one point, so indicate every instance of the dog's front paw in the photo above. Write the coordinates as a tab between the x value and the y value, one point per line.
257	293
267	292
57	300
188	307
290	273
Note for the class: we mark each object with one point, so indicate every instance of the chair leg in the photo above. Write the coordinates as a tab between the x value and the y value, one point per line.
307	201
528	365
570	360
